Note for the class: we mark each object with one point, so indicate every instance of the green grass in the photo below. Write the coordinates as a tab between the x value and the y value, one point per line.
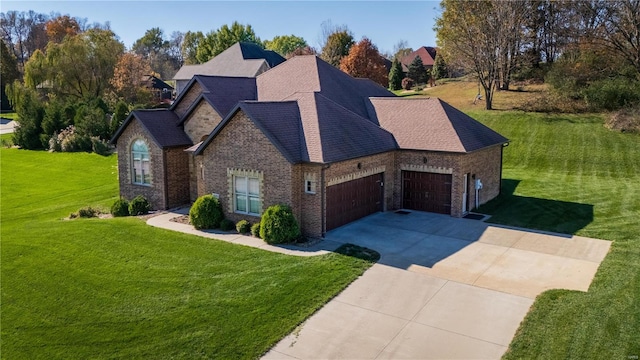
11	115
117	288
569	174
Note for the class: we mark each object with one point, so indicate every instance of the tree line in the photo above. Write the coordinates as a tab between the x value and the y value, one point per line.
588	50
73	84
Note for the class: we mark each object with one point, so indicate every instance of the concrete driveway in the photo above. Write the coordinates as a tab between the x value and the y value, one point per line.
444	288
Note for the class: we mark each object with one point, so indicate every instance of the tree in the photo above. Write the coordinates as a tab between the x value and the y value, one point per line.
61	26
30	110
401	49
417	71
189	46
80	66
220	40
364	61
307	50
119	116
151	43
337	46
8	72
285	44
395	75
618	27
473	32
440	69
128	78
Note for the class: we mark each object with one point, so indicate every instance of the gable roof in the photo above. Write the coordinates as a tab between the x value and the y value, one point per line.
221	92
426	53
161	124
241	59
308	73
279	121
156	83
432	124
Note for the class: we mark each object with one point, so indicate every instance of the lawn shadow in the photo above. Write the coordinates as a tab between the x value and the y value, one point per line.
535	213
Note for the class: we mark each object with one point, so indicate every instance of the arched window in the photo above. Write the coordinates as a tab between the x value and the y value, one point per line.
140	163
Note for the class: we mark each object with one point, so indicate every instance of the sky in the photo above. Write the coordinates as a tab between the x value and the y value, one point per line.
384	22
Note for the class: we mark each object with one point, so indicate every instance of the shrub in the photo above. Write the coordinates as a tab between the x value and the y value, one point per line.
226	225
120	208
139	206
255	230
206	213
612	94
100	146
625	120
88	212
407	83
243	226
278	225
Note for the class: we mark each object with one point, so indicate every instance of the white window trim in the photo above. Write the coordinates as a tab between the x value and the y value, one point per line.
310	186
232	174
248	196
133	164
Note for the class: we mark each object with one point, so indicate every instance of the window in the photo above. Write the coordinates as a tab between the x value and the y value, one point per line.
140	163
246	195
310	186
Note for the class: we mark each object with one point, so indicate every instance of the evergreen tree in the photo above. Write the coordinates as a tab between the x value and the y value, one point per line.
440	70
395	76
417	71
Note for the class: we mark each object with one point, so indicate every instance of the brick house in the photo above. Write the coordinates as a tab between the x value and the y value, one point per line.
333	147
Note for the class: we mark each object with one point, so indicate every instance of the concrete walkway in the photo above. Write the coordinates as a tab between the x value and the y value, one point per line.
444	288
7	126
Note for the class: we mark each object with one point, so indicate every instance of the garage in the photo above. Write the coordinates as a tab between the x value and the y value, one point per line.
352	200
424	191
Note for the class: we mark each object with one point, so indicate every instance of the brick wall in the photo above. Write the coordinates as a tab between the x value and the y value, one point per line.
201	122
155	192
177	167
188	99
242	146
485	164
307	207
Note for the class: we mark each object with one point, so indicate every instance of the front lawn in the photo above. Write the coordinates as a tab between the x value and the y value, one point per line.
117	288
569	174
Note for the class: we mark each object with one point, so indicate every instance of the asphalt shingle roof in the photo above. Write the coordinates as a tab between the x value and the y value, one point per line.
241	59
161	124
432	124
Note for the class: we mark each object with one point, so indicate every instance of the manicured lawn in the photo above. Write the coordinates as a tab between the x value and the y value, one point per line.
569	174
117	288
11	115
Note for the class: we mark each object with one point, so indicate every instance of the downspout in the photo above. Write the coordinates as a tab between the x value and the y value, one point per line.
501	159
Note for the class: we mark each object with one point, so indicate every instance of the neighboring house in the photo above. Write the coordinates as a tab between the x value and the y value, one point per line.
426	53
304	133
162	92
241	60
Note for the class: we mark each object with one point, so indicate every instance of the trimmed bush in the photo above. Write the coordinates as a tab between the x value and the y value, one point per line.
255	230
278	225
243	226
139	206
120	208
206	213
226	225
407	83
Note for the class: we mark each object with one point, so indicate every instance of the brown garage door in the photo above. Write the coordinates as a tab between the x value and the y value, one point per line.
426	192
353	200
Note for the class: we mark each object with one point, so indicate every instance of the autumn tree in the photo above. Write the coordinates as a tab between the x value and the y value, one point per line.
61	26
337	46
307	50
80	66
401	49
285	44
189	47
221	39
23	32
364	61
129	78
395	75
474	33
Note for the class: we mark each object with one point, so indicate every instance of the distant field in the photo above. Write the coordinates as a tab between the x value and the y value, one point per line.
117	288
